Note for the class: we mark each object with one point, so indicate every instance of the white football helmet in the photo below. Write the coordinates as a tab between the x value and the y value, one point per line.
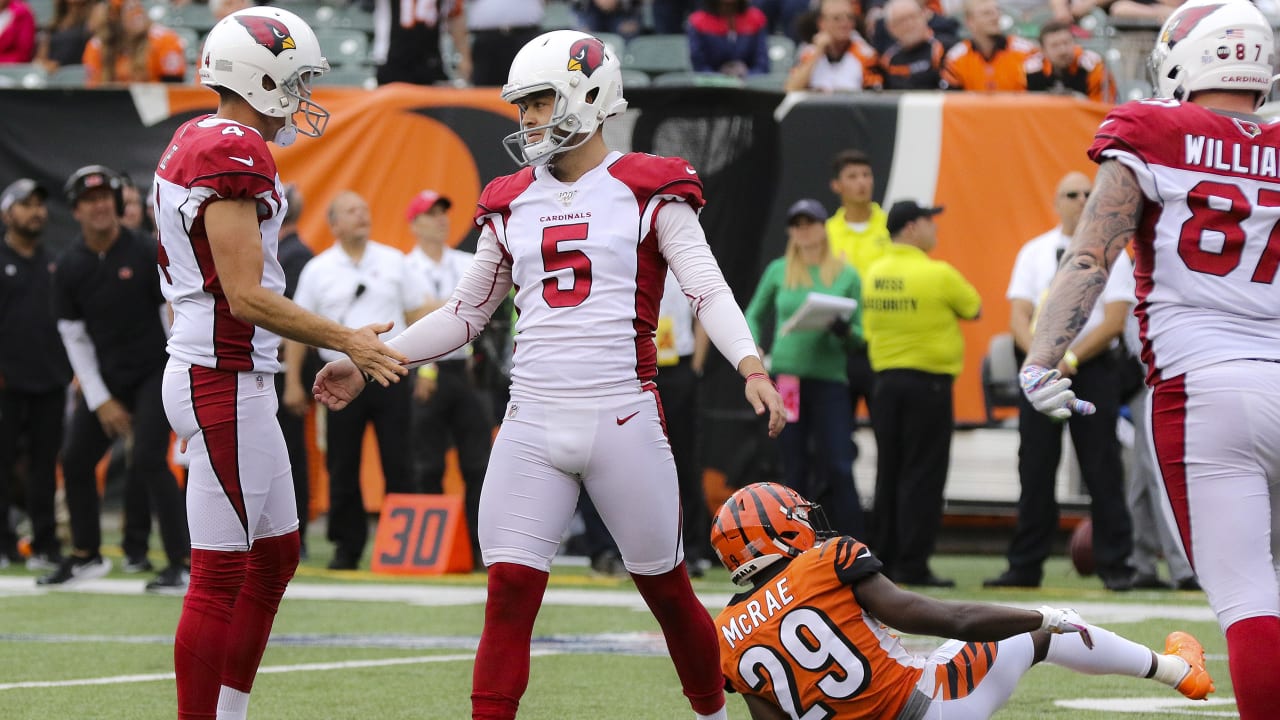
1214	45
587	79
268	56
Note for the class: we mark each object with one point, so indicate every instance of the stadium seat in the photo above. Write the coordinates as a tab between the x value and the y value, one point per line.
67	76
635	78
656	54
613	40
559	16
343	46
349	76
191	39
782	52
1000	386
22	75
696	79
43	10
191	15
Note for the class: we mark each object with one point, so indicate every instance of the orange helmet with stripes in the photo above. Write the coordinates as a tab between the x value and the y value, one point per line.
761	524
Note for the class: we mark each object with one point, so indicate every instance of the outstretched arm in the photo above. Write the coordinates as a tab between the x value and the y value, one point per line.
972	622
1108	224
1109	221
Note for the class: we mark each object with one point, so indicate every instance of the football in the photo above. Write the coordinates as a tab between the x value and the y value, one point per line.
1081	547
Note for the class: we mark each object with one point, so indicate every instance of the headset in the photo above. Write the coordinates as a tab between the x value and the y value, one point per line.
95	176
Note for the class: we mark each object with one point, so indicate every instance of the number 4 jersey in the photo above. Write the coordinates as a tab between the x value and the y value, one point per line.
1207	247
214	159
801	641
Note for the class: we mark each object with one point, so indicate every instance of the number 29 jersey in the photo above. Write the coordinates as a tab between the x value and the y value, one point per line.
1207	246
802	641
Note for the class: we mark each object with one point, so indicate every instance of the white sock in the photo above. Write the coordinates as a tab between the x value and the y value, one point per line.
1170	670
720	714
1111	654
232	704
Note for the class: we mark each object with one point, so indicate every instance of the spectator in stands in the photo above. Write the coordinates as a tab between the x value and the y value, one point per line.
911	308
669	16
945	28
858	236
33	374
988	59
293	383
112	318
17	32
1062	66
914	60
448	409
729	37
354	282
408	49
784	15
1092	366
499	28
1154	10
621	17
837	58
134	216
62	41
127	47
809	365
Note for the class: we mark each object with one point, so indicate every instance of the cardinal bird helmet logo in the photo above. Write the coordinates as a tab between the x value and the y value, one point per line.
586	55
268	32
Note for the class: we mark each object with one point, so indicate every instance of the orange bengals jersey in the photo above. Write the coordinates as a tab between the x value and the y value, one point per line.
965	68
166	60
801	640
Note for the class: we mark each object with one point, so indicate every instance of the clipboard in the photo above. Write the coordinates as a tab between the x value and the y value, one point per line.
818	312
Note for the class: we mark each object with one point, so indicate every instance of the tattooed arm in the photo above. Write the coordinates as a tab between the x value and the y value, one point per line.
1109	221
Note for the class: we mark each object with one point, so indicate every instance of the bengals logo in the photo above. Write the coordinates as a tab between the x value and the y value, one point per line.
268	32
1185	23
586	55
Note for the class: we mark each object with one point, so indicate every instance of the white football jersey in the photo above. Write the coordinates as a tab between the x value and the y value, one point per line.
208	159
587	271
1207	248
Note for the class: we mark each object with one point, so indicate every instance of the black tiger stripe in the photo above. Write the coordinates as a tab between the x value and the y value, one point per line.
971	656
953	680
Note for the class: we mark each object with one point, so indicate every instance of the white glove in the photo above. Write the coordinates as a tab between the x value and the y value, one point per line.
1050	393
1064	620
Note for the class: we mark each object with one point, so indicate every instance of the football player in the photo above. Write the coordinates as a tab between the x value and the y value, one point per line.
219	207
585	235
1192	177
812	635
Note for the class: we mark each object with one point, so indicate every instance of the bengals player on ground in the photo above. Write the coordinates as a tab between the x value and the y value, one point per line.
812	637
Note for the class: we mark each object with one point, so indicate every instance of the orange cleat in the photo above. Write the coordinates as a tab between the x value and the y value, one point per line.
1198	683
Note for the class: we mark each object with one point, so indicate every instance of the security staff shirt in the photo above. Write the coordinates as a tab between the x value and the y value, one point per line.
910	306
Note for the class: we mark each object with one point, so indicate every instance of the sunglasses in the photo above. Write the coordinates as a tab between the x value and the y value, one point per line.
1076	194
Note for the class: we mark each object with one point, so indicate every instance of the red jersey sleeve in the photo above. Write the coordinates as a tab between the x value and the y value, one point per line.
234	164
500	192
1147	129
650	175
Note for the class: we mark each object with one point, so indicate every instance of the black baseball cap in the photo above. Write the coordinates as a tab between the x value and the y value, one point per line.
904	211
807	207
20	190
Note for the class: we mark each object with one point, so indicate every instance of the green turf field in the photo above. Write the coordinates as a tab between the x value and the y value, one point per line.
351	646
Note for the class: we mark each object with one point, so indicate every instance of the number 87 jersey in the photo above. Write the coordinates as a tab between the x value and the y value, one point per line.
1207	246
801	641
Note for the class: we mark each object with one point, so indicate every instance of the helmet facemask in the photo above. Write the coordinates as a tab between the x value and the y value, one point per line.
315	118
561	134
